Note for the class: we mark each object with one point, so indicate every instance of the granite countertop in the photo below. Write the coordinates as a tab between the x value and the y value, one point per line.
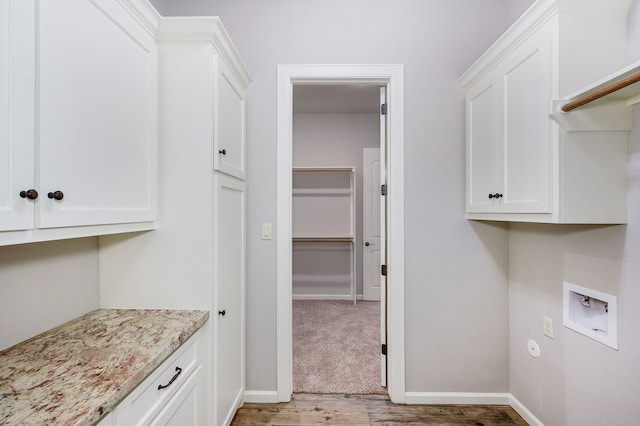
79	371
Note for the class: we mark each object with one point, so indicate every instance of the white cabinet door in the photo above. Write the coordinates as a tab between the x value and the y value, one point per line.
229	296
229	124
482	146
17	113
525	127
509	134
97	108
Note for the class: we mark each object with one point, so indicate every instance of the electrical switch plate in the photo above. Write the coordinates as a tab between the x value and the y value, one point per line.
266	231
547	326
533	348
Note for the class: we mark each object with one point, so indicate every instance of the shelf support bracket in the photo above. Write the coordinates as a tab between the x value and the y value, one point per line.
609	116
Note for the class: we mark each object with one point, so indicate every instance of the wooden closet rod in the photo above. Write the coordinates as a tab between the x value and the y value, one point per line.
603	91
322	239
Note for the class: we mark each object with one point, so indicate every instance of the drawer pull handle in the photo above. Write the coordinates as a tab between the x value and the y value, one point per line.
496	195
179	370
222	151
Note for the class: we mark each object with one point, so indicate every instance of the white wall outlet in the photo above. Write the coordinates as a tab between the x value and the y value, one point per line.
533	348
547	326
266	231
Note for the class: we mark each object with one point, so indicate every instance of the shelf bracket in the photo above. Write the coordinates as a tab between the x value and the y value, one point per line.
597	116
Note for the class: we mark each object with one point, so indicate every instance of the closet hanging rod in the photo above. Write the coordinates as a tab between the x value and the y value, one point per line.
322	239
614	86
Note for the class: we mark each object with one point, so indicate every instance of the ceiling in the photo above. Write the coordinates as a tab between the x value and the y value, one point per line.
336	98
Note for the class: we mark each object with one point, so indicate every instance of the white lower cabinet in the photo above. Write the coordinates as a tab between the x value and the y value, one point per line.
171	395
183	408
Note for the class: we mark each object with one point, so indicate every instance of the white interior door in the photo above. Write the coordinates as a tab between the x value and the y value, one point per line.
371	223
384	137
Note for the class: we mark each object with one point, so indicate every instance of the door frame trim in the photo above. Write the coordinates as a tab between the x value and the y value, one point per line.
391	76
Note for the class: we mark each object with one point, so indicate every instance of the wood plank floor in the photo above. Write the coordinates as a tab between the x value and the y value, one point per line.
314	409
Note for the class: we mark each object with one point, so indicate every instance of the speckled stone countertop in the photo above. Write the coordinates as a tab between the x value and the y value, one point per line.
79	371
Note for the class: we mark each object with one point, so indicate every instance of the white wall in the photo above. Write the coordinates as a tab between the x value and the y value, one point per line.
43	285
336	140
578	381
456	285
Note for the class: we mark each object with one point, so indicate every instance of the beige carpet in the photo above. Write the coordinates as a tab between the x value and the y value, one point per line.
336	347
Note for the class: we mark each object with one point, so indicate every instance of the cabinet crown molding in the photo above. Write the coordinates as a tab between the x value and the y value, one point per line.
533	18
209	29
146	15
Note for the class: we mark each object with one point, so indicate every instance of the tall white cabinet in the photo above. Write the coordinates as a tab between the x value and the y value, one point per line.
196	257
78	110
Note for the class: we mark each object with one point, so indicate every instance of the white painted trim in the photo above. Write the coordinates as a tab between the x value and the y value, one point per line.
261	397
524	412
393	77
473	398
446	398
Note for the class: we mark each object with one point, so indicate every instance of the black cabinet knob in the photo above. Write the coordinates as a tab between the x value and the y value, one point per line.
31	194
56	195
222	151
222	312
367	244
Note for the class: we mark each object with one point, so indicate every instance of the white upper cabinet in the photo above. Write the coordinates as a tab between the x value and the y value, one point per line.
97	107
229	124
79	122
17	113
524	147
213	100
482	145
522	166
508	143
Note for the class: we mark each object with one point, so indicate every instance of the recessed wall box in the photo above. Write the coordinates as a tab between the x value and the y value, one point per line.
592	313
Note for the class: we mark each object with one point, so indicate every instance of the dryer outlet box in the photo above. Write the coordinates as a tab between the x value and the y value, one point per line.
592	313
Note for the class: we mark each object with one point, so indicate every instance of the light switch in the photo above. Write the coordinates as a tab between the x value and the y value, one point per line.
547	326
266	231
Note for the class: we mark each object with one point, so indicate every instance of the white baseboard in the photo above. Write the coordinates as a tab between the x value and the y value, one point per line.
458	398
425	398
261	397
473	398
524	412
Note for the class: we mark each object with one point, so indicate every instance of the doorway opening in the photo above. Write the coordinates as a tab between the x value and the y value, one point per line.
336	215
391	78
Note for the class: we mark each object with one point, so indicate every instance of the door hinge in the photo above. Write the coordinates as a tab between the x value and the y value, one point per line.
384	349
383	270
383	189
383	109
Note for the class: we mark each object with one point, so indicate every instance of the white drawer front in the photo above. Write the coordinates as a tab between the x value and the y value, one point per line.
147	399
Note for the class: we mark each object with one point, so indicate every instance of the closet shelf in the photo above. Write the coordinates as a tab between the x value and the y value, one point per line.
322	169
620	85
604	105
322	239
323	207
